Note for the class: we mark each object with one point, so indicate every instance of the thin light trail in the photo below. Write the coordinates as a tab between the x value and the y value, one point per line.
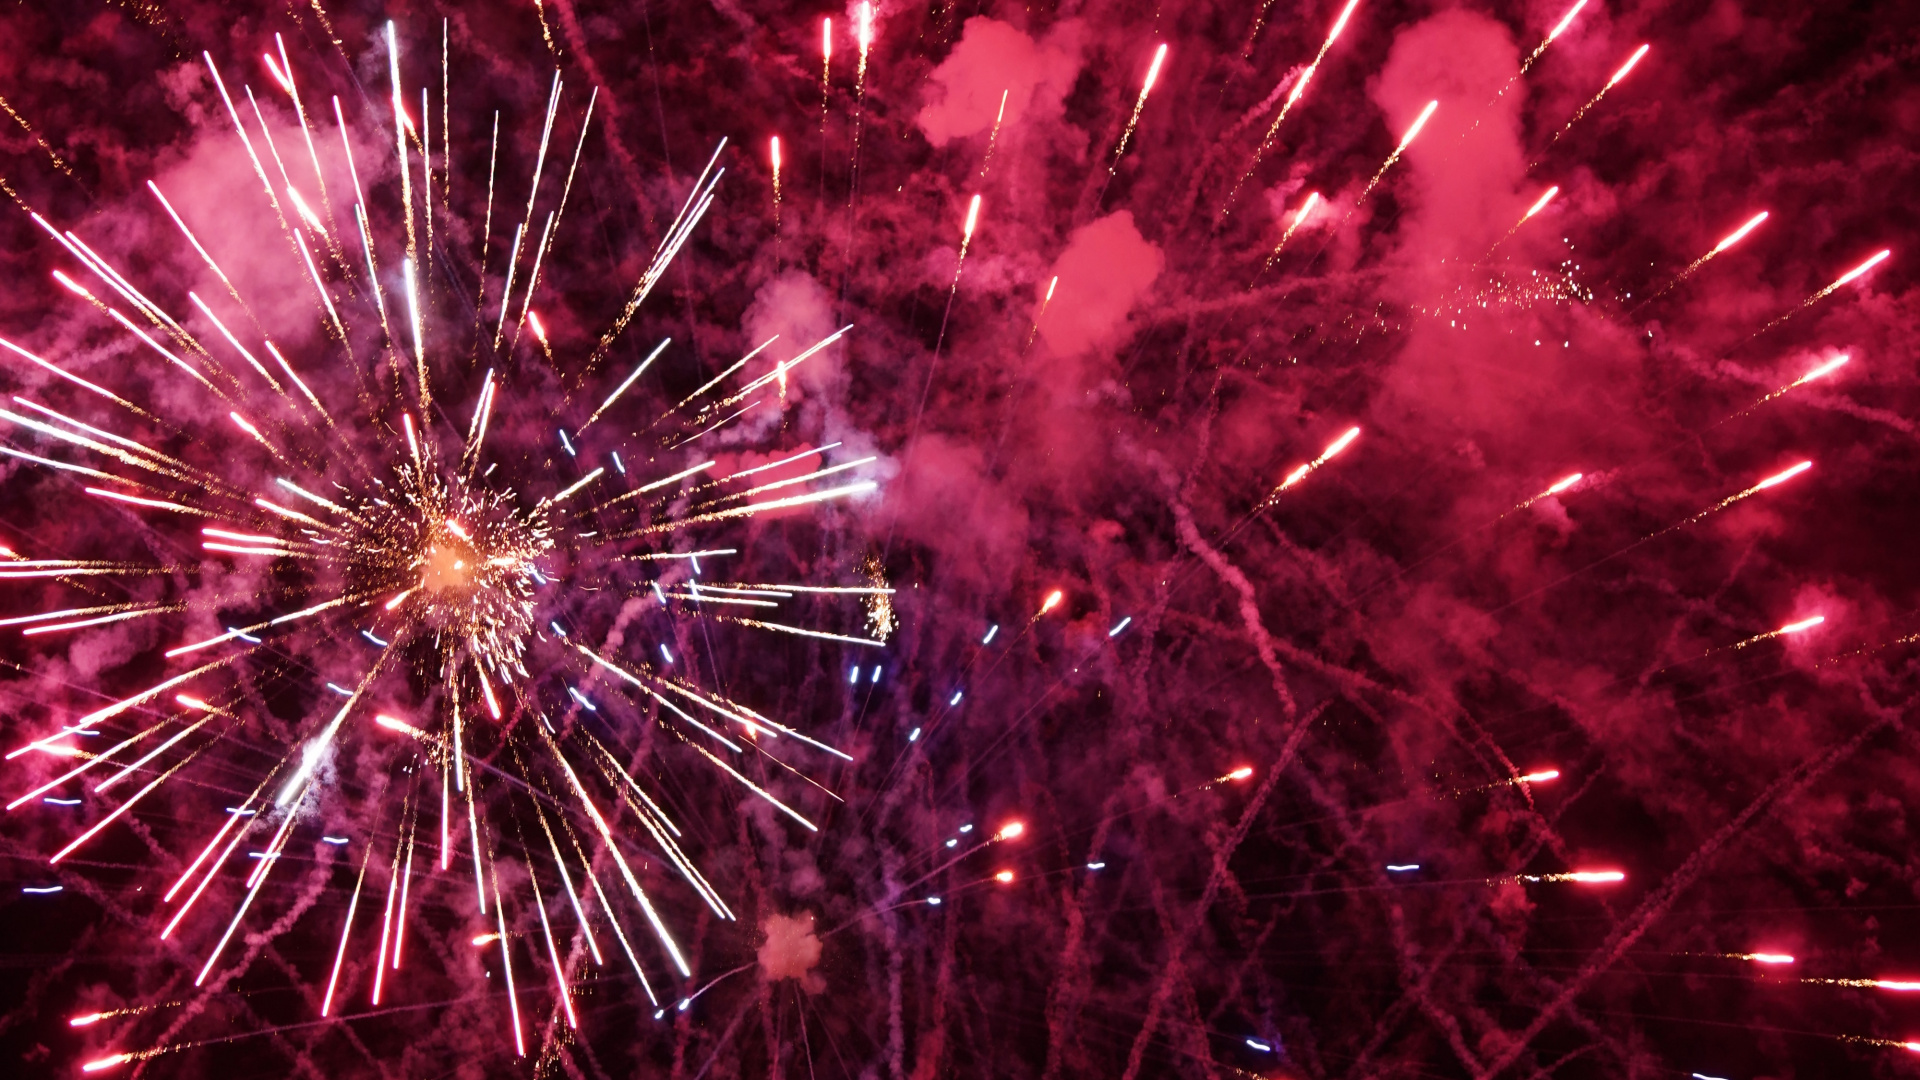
1406	140
1133	121
1771	481
1582	111
1299	90
1851	275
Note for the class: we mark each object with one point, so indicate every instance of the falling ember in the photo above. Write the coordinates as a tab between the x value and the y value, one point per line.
1308	469
1153	73
1293	95
1897	985
1595	99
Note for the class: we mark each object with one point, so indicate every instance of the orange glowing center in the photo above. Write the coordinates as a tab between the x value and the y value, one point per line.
450	564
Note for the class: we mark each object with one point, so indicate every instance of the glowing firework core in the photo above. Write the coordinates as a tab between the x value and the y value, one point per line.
458	559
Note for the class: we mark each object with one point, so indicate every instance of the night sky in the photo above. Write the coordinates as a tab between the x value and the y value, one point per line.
1266	745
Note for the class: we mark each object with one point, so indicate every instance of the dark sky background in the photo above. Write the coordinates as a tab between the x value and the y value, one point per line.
1388	644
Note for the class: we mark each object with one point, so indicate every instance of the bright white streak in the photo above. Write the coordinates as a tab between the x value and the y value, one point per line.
1861	269
339	956
1420	122
1783	477
622	388
633	883
413	310
1628	66
1738	234
1566	20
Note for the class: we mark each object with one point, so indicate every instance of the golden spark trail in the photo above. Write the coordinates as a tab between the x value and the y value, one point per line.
90	1019
1299	218
699	198
1585	877
1140	103
1856	272
1526	217
1901	985
863	33
1595	100
1777	478
1818	372
993	136
826	75
1726	242
1790	628
1405	141
1558	29
1034	331
1557	487
1294	95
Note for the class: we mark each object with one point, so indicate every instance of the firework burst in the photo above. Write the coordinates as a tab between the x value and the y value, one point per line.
476	582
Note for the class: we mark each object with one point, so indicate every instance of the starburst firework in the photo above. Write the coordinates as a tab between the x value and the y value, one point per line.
497	595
